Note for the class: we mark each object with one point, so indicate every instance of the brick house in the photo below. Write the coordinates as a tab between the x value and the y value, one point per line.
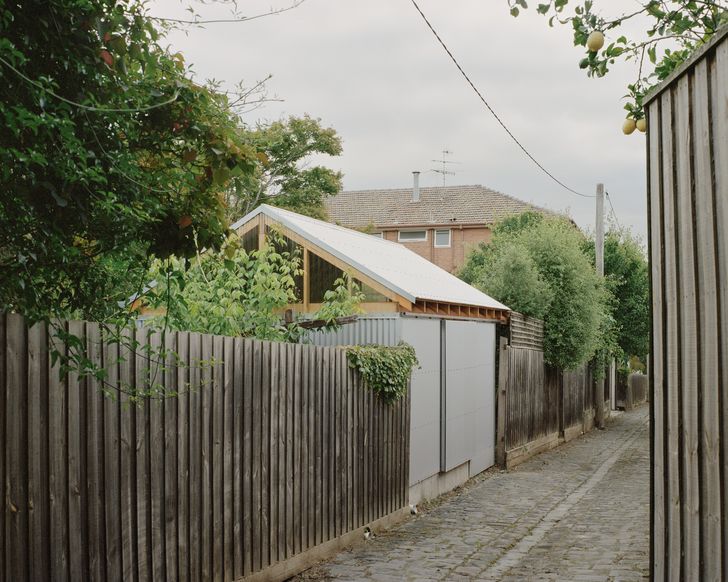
439	223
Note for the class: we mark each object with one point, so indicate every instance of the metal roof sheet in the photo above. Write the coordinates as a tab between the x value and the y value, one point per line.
390	264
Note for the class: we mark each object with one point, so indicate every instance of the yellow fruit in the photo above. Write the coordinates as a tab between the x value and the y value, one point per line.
595	41
628	126
642	125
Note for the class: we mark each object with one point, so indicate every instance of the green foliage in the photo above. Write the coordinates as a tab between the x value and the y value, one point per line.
232	293
283	176
237	293
685	24
627	278
386	369
342	300
541	269
109	154
513	277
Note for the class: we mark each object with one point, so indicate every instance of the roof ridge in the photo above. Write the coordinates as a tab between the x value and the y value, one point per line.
327	224
409	189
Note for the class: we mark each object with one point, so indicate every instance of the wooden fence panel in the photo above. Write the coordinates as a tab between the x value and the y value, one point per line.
267	450
540	403
688	208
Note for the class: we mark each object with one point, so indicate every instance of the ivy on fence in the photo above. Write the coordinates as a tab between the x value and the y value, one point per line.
386	369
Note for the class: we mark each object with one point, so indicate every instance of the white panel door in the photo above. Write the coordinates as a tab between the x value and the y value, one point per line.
424	336
470	395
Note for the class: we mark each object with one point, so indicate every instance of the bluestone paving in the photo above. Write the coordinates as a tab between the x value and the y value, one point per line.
579	512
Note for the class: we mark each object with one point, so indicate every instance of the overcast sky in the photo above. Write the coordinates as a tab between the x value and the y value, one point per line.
373	71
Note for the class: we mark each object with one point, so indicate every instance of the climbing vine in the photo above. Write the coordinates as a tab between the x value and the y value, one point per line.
386	369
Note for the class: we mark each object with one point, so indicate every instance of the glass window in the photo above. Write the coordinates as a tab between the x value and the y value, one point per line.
250	240
412	235
322	276
442	238
370	295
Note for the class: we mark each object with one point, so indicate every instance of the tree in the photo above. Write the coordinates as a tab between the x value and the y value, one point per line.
513	277
627	277
676	28
282	174
109	155
538	265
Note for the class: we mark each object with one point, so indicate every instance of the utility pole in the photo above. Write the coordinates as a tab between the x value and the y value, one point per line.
599	253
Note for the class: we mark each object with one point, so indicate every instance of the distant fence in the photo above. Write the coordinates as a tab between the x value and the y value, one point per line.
632	390
538	406
276	449
525	332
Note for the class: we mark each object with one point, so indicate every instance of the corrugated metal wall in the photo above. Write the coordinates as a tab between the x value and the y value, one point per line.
385	330
688	235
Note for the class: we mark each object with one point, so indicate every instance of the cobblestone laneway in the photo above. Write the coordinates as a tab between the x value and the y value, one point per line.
578	513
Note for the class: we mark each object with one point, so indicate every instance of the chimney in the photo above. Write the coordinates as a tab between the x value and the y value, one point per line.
415	186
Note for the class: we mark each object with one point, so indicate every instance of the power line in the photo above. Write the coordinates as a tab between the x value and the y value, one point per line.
616	219
492	111
81	105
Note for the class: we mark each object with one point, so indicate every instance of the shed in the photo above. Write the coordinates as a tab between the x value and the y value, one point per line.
450	324
393	278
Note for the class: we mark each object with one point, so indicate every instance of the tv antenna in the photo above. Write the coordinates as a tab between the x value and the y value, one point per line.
444	161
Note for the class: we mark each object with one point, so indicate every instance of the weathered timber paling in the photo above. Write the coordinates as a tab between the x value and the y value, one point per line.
268	451
687	154
526	332
537	404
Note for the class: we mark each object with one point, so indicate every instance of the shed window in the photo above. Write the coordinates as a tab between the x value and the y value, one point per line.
250	240
370	295
322	275
412	235
442	238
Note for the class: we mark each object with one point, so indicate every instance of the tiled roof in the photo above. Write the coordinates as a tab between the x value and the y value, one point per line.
392	265
437	205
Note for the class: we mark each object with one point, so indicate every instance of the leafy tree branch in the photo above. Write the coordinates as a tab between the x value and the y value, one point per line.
674	30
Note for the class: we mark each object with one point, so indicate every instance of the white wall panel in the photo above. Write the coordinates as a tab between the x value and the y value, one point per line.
424	336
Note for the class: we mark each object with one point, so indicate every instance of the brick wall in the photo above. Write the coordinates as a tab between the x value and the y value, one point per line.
453	257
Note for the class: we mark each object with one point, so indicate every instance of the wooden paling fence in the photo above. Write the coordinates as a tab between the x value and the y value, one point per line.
269	450
538	405
632	390
687	170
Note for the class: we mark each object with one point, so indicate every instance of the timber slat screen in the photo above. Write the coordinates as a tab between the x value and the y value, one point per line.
526	332
687	149
275	448
541	401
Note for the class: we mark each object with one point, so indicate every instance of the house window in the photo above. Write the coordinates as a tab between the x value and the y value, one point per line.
412	235
442	238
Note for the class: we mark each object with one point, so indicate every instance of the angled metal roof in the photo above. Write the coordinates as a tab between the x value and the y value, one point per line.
438	205
392	265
